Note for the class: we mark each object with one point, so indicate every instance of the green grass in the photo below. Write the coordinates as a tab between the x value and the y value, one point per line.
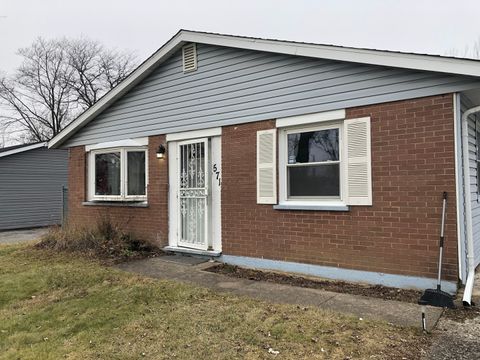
55	306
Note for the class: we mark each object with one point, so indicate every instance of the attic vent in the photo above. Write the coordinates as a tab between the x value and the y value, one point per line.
189	58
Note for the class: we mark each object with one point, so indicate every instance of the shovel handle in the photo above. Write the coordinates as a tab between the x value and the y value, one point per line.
445	195
443	217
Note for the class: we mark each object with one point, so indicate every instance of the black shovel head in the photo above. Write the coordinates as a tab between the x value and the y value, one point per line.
438	298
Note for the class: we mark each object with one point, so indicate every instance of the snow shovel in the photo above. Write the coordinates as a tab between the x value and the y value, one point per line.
437	297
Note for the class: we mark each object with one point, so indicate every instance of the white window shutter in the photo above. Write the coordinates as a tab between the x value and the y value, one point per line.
266	167
358	168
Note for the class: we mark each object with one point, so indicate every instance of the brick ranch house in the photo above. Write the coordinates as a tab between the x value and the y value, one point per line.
315	159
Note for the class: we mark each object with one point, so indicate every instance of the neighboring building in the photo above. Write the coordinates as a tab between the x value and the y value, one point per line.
31	181
300	157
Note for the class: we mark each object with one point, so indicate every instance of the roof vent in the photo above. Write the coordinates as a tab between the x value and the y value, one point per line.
189	58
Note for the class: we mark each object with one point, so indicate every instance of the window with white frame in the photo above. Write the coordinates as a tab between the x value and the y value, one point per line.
310	163
313	163
324	162
118	174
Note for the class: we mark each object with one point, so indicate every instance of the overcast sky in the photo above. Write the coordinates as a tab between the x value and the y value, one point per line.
425	26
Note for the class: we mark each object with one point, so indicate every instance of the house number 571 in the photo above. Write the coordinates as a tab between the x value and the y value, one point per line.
216	172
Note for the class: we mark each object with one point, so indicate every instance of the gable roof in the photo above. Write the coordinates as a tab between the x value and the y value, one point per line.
434	63
15	149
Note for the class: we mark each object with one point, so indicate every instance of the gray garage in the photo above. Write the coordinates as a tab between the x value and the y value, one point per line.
31	181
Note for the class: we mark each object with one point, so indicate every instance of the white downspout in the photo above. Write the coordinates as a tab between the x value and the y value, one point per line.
467	295
457	129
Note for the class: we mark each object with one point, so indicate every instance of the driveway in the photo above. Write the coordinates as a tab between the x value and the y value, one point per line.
18	236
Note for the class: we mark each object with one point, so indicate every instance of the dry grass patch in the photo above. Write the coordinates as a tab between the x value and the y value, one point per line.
103	240
60	306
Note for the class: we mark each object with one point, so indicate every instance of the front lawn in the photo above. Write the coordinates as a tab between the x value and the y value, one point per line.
55	306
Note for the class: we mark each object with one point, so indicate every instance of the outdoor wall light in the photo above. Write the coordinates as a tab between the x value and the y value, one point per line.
161	152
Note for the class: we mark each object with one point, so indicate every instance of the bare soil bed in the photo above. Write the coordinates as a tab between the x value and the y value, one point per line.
376	291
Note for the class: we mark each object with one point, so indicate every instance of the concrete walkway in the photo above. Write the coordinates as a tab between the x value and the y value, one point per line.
396	312
18	236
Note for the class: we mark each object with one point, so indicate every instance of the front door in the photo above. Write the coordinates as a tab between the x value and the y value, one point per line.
194	205
193	193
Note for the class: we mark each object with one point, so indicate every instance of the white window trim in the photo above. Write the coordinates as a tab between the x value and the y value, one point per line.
311	118
123	175
194	134
138	142
284	201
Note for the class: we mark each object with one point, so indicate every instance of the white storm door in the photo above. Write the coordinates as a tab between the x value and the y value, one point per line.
193	191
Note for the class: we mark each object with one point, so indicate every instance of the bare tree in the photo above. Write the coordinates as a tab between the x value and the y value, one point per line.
56	81
96	70
37	95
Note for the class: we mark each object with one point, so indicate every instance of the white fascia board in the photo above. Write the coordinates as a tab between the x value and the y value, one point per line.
120	143
22	149
187	135
365	56
134	78
311	118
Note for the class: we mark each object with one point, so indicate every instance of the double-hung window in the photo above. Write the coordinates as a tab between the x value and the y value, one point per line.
118	174
324	162
313	163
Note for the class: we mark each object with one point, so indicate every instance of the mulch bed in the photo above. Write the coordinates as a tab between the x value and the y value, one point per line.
376	291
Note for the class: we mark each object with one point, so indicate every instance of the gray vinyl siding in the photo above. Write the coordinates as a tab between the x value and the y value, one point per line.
474	181
31	188
233	86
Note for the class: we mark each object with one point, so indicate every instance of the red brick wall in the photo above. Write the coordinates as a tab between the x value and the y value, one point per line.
412	164
149	223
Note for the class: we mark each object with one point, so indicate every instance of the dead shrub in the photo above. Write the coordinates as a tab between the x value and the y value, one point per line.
104	240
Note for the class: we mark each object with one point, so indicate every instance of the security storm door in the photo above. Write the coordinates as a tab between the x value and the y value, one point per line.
193	186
